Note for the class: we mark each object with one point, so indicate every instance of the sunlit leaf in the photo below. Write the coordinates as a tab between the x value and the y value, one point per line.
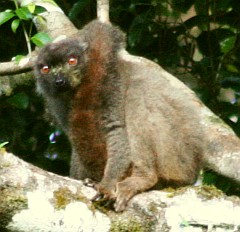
5	16
31	7
41	39
3	144
24	13
227	44
18	58
9	11
15	24
232	68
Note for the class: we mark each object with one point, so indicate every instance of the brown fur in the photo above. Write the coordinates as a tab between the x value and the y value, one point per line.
86	134
128	130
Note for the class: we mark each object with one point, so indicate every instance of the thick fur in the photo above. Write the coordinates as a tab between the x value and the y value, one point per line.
128	130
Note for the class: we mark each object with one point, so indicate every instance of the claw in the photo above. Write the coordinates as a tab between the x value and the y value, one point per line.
98	197
89	182
103	201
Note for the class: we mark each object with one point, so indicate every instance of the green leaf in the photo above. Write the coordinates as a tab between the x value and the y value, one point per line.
39	19
24	13
15	24
5	16
18	58
31	7
136	30
39	10
19	100
227	44
40	39
232	68
78	8
9	11
3	144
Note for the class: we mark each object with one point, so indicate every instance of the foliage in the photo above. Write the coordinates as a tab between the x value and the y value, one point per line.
26	12
196	37
197	41
3	144
29	135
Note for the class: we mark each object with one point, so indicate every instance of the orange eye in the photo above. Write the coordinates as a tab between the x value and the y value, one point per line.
72	61
45	69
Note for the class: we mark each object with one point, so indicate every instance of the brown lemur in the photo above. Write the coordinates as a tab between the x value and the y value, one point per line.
129	132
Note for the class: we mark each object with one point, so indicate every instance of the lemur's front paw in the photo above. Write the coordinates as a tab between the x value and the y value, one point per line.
120	194
107	191
105	196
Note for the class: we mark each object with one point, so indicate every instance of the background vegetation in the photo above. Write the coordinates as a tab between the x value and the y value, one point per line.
196	40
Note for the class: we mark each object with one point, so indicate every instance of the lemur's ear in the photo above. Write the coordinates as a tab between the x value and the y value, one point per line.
83	43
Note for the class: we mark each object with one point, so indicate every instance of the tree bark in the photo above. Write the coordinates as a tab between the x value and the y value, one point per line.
35	200
103	11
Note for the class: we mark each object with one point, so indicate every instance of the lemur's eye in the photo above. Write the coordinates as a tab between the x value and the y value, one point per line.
45	69
72	61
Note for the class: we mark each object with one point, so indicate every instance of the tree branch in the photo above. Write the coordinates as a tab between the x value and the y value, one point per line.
36	200
12	67
54	28
103	11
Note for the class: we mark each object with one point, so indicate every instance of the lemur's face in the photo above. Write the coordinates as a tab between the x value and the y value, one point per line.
60	66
